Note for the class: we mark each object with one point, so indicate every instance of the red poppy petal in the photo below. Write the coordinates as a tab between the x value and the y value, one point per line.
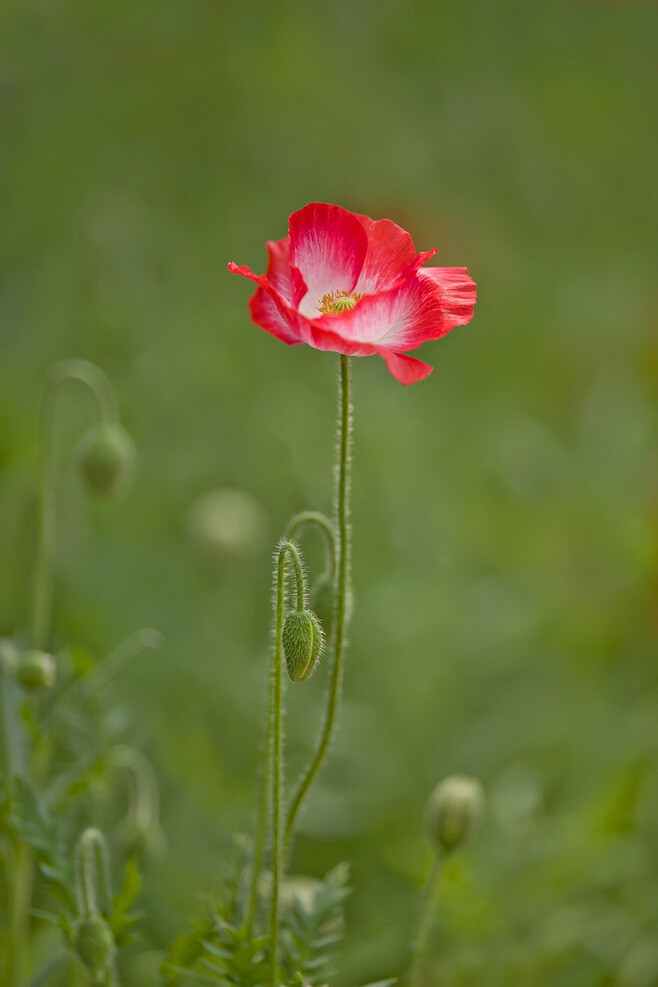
423	256
269	310
328	245
406	369
401	318
278	266
458	293
321	338
391	256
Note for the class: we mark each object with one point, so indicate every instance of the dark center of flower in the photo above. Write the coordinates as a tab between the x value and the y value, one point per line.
337	301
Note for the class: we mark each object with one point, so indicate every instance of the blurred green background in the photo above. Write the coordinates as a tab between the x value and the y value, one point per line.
504	545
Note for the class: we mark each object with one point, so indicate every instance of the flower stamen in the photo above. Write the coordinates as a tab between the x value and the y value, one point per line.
335	302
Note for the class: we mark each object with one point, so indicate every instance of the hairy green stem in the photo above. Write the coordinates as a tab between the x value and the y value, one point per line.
419	948
272	782
276	765
344	429
93	378
315	518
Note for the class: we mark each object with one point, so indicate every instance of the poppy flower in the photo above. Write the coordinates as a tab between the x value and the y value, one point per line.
346	283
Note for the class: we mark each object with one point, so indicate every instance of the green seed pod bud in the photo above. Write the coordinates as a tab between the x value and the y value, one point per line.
303	642
323	600
453	809
107	459
36	669
94	944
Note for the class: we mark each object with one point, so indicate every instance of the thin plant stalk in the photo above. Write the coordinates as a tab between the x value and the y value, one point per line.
328	529
272	784
419	948
6	758
277	768
344	431
18	857
20	900
94	379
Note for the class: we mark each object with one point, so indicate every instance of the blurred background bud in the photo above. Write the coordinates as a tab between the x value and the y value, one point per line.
303	642
36	669
107	459
226	522
94	944
453	809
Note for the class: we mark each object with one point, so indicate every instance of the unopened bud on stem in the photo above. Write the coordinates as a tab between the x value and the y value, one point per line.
454	808
94	944
107	459
303	642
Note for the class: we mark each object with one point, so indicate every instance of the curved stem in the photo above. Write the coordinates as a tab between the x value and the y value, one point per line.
143	792
328	529
419	948
344	423
93	378
289	548
276	763
273	778
92	874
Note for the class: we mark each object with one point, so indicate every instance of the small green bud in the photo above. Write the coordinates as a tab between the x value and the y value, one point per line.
107	459
94	944
36	669
323	601
303	642
453	809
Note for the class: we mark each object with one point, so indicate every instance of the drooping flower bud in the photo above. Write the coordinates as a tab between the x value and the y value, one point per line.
94	944
107	459
453	809
303	642
36	669
323	599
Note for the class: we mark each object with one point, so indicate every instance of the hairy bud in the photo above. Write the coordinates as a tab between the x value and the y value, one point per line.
107	459
94	944
453	809
303	642
36	669
323	599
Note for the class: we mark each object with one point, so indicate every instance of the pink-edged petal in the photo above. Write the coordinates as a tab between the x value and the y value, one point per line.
278	271
406	369
458	293
328	245
391	256
399	319
269	309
